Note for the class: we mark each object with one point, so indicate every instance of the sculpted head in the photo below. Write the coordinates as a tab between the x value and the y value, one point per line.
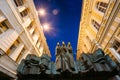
58	44
63	43
68	43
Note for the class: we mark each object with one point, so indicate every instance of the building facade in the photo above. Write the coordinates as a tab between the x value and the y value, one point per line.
20	34
100	28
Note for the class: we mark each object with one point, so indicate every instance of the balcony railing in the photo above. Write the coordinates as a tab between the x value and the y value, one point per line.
21	8
22	56
31	30
7	38
2	18
27	21
35	38
17	51
7	65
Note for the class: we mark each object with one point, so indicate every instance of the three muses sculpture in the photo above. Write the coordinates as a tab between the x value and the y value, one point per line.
64	58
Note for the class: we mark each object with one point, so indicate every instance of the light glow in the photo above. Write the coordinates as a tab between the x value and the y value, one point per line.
55	12
42	12
46	27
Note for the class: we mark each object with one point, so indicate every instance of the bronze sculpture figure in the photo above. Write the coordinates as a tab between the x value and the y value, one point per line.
70	57
58	57
93	65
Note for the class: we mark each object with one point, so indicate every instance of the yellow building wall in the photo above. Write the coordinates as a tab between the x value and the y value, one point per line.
89	12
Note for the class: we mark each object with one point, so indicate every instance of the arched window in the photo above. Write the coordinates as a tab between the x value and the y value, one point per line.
102	6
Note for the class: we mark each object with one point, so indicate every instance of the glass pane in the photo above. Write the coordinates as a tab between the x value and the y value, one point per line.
0	32
4	25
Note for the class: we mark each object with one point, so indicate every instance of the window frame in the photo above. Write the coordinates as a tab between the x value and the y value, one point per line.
116	46
101	6
3	26
95	24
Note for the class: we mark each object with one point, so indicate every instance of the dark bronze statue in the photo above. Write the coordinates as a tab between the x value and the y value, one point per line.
64	58
58	57
96	66
70	57
65	65
61	59
34	64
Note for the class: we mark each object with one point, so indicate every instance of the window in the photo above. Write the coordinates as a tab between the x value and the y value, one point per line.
20	55
101	6
1	52
3	27
17	42
88	39
23	51
13	47
116	46
18	2
118	35
95	24
37	42
33	33
30	26
24	13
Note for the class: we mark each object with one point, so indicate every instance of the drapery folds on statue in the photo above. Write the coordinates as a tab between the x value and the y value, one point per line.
90	66
64	58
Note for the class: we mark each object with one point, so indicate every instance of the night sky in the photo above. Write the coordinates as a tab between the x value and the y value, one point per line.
64	19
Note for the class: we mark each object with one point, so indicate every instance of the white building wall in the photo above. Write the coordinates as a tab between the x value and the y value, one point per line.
18	30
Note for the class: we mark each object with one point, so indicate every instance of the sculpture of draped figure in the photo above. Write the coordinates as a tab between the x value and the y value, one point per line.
65	64
70	57
61	59
58	57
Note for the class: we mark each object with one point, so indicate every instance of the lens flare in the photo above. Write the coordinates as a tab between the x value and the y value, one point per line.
42	12
46	27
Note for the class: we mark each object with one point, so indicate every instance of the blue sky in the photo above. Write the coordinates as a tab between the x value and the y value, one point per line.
64	19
